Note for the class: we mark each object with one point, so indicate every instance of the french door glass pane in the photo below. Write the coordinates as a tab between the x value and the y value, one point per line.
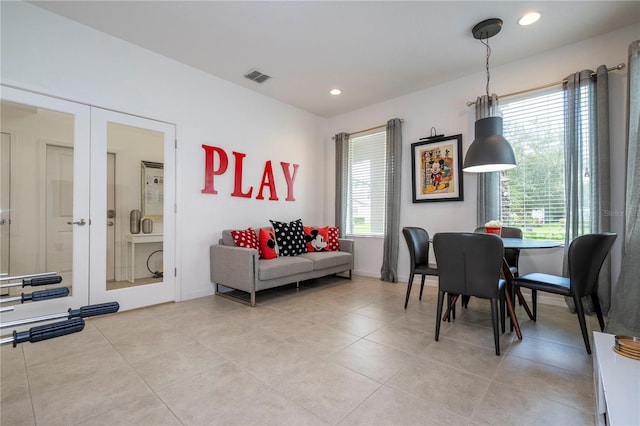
36	197
135	182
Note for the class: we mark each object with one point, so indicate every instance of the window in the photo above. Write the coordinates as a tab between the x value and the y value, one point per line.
366	180
533	194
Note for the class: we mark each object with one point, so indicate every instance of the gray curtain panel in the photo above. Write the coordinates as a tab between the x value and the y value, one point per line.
342	144
488	202
588	214
389	269
624	316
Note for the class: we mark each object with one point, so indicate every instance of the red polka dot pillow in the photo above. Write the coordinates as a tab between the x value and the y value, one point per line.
333	243
245	238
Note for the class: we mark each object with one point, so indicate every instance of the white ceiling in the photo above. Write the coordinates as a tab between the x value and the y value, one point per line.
371	50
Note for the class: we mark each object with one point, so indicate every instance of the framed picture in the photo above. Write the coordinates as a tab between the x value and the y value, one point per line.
436	166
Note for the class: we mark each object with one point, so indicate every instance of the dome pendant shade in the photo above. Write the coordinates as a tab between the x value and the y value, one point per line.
490	151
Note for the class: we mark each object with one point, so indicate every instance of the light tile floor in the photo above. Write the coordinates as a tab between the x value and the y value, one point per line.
333	352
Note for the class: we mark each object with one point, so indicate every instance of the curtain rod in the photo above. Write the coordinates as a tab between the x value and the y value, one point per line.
366	130
557	83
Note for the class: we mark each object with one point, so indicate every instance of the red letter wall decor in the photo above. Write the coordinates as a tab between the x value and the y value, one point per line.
237	178
211	169
290	179
267	180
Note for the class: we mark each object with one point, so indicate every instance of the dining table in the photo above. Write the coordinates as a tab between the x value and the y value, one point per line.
520	244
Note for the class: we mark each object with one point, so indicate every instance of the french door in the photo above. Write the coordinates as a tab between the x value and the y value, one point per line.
74	176
144	262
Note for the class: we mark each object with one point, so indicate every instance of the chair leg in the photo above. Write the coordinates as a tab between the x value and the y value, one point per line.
409	284
494	321
439	312
465	301
583	324
452	303
534	302
422	285
598	309
502	311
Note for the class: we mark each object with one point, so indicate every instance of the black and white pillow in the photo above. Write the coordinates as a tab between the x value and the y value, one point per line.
289	237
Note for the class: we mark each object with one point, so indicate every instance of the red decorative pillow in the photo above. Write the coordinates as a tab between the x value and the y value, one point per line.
316	238
268	246
334	234
246	238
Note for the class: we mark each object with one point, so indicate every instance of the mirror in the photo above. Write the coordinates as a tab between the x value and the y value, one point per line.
152	174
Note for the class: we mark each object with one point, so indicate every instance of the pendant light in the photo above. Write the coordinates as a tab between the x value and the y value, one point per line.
490	151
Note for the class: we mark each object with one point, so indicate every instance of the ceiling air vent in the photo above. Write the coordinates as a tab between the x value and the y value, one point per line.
256	76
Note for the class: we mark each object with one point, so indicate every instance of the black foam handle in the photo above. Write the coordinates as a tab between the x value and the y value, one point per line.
42	281
94	310
48	331
52	293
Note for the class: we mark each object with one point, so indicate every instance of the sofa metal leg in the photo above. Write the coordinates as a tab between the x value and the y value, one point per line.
253	299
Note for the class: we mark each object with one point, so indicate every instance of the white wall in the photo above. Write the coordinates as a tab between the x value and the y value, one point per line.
53	55
444	107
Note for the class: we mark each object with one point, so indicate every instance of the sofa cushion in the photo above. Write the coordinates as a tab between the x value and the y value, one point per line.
282	267
334	234
227	239
245	238
290	237
327	259
267	243
316	238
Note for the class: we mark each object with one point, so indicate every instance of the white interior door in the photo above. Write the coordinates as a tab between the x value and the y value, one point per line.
37	123
147	260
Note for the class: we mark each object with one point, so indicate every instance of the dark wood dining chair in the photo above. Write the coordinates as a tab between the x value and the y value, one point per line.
585	258
469	264
418	243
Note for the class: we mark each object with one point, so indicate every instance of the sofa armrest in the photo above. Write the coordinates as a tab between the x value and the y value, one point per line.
234	267
346	245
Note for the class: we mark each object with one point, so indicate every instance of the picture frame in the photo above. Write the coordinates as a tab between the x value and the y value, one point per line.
436	169
152	189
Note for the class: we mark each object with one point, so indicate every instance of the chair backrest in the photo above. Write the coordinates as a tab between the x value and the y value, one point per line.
586	256
511	255
418	244
469	263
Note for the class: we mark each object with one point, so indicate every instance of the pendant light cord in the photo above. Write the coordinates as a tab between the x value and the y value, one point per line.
486	43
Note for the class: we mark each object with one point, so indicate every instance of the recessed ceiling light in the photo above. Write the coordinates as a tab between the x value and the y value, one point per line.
529	18
335	92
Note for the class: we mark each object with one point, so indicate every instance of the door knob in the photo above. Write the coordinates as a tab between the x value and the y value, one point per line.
3	220
80	222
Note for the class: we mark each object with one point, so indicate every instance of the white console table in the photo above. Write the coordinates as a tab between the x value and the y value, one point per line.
132	240
617	383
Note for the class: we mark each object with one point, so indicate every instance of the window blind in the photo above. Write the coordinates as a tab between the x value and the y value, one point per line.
366	180
533	193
